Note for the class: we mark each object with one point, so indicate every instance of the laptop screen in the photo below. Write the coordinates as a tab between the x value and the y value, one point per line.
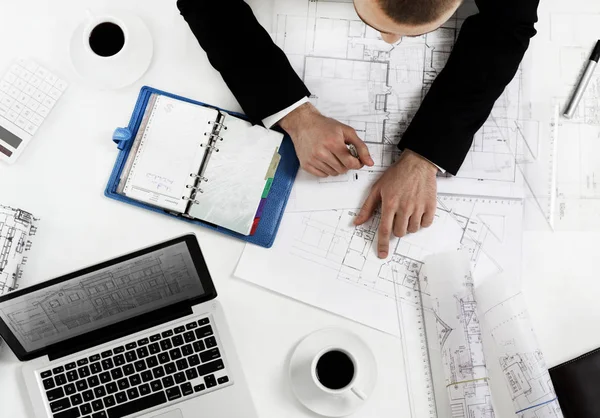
131	287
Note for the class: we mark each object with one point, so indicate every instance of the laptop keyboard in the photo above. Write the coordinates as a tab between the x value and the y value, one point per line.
126	379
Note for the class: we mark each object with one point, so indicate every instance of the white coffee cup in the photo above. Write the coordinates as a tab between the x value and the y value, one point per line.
352	386
111	67
92	23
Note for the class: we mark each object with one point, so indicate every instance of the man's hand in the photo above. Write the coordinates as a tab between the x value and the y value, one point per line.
407	192
320	142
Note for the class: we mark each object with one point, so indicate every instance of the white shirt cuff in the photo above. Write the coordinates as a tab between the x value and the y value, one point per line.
431	162
273	119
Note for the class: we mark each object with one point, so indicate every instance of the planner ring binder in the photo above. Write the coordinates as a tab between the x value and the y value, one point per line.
191	199
201	178
218	124
197	189
213	137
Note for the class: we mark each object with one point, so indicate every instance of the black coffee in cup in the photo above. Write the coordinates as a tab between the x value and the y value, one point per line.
107	39
335	370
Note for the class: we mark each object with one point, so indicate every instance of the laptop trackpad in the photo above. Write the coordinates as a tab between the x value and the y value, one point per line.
176	413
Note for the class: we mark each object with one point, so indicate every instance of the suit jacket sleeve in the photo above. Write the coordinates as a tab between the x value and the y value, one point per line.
256	71
485	58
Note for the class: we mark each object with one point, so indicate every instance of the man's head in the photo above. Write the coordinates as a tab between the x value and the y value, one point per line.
398	18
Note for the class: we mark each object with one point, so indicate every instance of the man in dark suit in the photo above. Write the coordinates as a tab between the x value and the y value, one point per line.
485	58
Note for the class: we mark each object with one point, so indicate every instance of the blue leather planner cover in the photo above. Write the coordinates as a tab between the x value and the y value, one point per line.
278	195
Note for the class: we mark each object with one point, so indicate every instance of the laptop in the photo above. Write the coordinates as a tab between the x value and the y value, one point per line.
141	335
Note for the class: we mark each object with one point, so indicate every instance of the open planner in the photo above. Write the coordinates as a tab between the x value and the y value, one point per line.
203	164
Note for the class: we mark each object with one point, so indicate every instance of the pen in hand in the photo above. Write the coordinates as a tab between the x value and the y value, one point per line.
352	150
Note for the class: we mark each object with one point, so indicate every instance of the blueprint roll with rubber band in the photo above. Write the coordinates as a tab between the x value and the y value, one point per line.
493	365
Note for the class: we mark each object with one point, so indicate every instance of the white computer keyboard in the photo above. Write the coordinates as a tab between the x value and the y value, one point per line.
28	93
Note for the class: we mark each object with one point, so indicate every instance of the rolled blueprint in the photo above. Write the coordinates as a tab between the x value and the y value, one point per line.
459	335
493	365
515	350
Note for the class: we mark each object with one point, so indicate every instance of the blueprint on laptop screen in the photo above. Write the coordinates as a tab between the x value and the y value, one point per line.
103	297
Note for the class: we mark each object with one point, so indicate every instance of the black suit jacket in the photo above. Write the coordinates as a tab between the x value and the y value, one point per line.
485	58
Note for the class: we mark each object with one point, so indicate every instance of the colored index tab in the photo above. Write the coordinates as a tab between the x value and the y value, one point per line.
274	164
267	188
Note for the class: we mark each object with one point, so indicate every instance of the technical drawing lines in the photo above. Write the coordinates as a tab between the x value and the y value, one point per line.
521	361
17	228
103	297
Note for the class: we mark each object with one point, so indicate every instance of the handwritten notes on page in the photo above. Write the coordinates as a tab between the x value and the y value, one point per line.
170	149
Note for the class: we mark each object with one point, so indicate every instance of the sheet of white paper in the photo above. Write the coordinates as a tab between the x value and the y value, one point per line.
376	88
459	334
17	229
236	175
170	150
519	374
322	259
572	35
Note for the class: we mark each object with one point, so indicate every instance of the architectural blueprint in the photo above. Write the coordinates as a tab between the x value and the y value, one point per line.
572	37
492	362
17	229
335	267
377	88
515	350
459	335
103	297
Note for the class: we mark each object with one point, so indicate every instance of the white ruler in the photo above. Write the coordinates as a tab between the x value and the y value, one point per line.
553	164
417	364
539	174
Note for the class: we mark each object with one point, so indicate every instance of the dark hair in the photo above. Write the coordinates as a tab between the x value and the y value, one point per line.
415	12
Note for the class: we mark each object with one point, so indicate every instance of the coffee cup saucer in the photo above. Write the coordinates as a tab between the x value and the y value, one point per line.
120	70
305	388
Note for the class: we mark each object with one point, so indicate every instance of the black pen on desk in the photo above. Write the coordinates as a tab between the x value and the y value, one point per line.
583	82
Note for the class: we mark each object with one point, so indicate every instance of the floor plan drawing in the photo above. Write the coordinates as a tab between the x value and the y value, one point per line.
330	239
336	267
17	229
377	88
110	294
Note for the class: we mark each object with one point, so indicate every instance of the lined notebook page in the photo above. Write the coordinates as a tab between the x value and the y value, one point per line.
169	151
236	175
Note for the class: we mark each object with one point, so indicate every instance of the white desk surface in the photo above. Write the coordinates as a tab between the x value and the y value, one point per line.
62	174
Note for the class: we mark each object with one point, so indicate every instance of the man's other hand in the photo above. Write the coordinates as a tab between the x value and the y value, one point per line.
407	192
320	142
